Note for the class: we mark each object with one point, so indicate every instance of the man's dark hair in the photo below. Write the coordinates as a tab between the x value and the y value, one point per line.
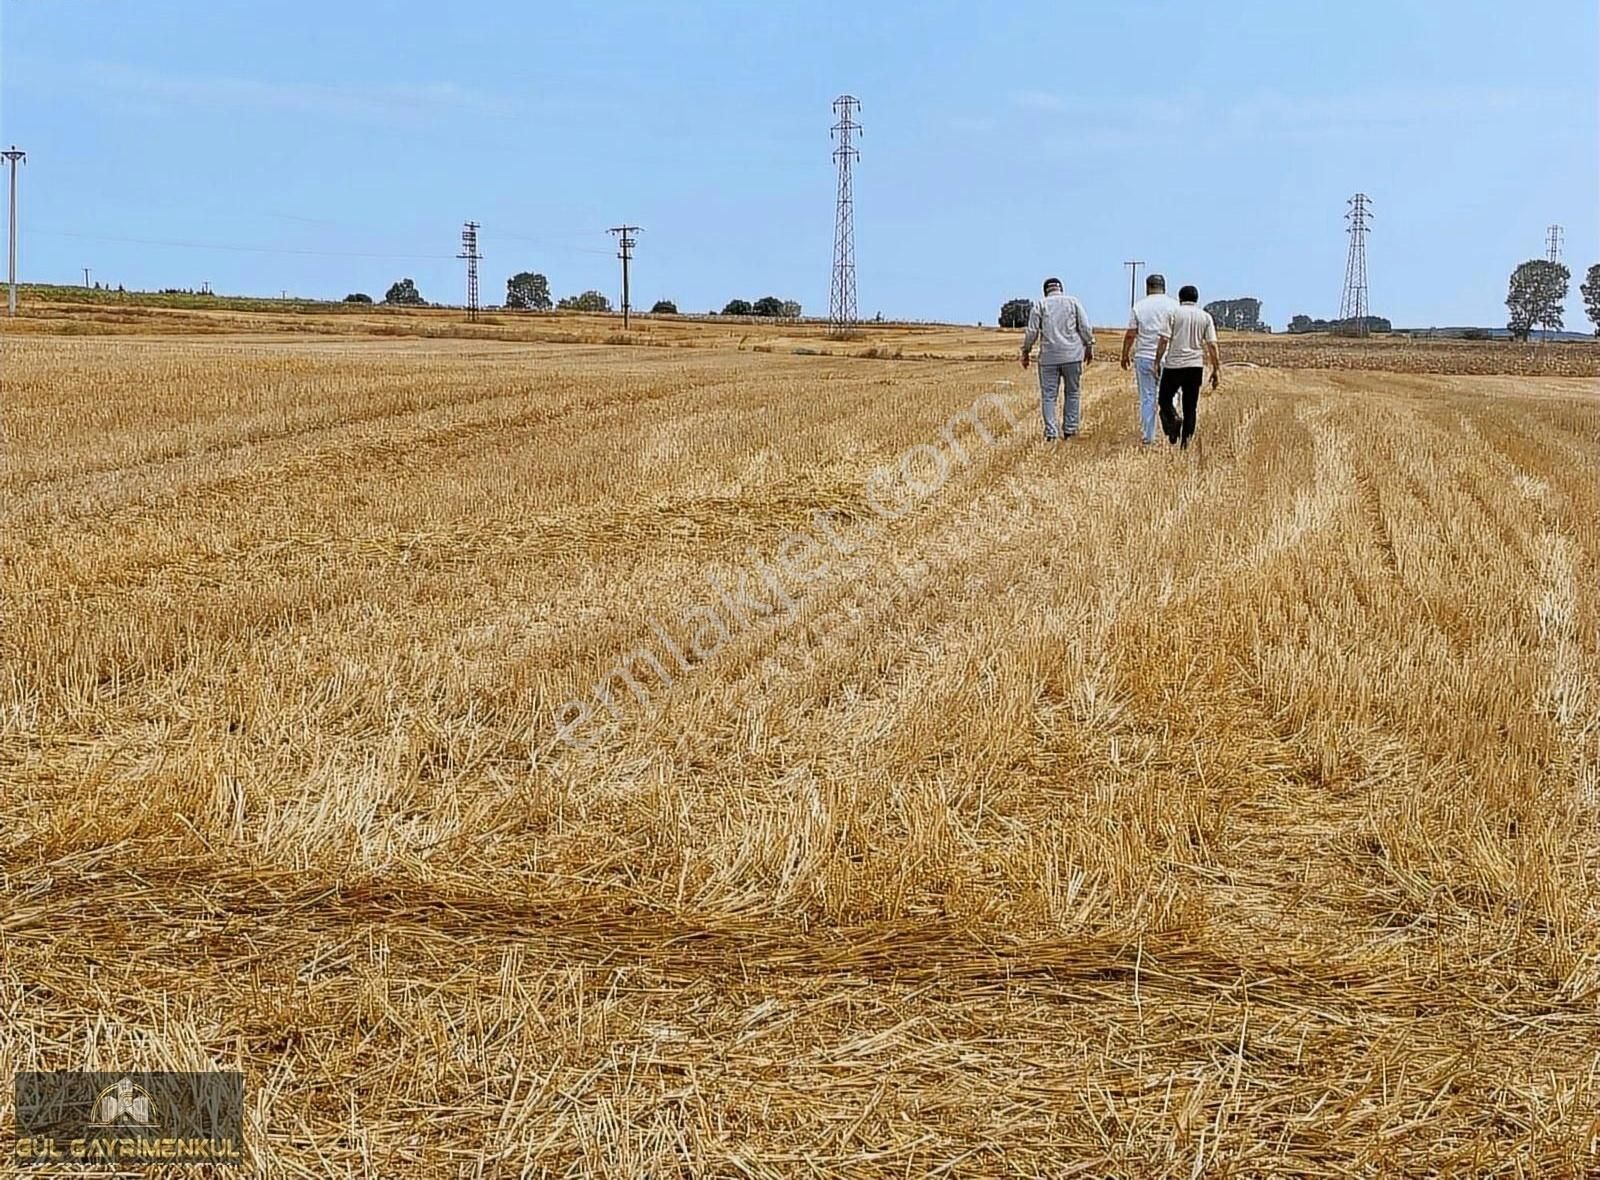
1154	283
1189	294
1056	283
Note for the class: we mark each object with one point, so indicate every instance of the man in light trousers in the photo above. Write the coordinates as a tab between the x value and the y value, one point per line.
1060	326
1145	322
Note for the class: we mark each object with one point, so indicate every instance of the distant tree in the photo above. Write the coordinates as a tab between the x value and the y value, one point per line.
357	297
528	291
1350	327
1591	296
588	301
1538	289
768	305
791	310
1241	315
663	307
404	294
1014	313
738	307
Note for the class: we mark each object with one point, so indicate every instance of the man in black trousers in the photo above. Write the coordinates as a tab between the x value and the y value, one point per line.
1187	342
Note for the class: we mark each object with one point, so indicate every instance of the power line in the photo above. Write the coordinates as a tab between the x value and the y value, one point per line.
234	248
545	240
1133	266
625	244
469	251
842	293
1353	306
13	156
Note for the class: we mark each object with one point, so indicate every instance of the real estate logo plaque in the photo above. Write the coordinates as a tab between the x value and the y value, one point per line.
75	1117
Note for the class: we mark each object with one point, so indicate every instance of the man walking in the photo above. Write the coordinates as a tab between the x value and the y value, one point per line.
1060	322
1145	322
1187	341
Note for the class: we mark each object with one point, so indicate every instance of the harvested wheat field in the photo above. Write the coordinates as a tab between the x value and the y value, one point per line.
535	759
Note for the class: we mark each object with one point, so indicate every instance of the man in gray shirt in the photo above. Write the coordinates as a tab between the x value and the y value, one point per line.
1060	326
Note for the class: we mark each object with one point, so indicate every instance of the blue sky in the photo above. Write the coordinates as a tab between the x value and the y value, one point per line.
336	147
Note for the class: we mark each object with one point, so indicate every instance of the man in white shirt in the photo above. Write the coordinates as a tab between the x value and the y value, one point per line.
1187	341
1145	322
1068	344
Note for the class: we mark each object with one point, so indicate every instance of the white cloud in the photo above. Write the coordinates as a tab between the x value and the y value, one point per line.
1039	100
1250	116
359	101
970	125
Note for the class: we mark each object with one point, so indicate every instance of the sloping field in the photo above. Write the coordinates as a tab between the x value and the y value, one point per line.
66	311
569	760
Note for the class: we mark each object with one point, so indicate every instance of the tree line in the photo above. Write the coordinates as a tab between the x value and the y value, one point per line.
1537	294
530	291
1534	299
768	306
1352	326
1242	315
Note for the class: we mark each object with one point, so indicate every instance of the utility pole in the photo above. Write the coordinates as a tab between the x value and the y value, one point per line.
469	251
86	276
1353	306
842	293
1133	266
625	244
13	156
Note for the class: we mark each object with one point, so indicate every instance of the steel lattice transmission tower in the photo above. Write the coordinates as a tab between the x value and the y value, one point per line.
1353	307
1552	243
469	251
842	295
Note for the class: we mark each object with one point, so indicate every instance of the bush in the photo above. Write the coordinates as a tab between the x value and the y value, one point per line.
528	291
663	307
404	294
738	307
357	297
588	301
1014	313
